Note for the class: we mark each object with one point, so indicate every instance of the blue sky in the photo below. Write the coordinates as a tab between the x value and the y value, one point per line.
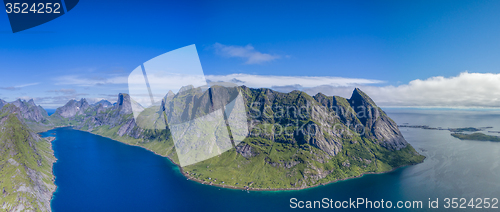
388	43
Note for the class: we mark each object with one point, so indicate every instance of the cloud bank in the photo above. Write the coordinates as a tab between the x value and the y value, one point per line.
18	87
89	81
288	82
247	52
465	90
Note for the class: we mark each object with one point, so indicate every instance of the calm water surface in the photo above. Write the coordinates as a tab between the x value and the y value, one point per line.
94	173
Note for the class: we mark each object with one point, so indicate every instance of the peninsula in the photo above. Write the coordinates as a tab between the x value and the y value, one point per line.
346	138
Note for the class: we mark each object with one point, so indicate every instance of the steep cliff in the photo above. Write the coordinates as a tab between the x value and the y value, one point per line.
73	108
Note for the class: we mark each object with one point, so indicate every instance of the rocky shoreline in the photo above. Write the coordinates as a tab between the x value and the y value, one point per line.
50	139
283	189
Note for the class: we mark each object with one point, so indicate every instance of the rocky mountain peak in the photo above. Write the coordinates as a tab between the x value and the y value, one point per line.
18	102
31	102
30	110
73	108
358	98
83	102
123	104
170	94
185	88
104	103
377	124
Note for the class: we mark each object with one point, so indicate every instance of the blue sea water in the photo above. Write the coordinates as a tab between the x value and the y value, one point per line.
50	111
94	173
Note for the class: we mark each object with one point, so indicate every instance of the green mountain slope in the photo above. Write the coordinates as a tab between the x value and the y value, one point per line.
26	179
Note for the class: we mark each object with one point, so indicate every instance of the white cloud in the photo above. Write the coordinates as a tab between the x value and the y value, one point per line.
18	87
63	91
89	81
288	82
465	90
247	52
25	98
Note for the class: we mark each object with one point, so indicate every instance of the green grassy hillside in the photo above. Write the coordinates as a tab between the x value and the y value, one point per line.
26	179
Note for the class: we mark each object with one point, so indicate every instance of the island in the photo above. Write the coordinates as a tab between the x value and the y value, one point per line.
476	137
456	130
459	132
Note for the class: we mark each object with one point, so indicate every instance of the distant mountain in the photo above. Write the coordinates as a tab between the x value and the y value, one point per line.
345	137
104	103
73	108
31	111
81	115
27	182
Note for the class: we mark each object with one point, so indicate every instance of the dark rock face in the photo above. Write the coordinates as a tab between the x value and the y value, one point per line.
126	128
377	124
324	121
245	151
364	107
30	111
387	132
73	108
124	105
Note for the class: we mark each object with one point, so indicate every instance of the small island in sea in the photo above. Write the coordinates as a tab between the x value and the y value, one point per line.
456	130
476	137
461	133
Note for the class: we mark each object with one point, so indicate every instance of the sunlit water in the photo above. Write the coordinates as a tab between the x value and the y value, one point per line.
94	173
